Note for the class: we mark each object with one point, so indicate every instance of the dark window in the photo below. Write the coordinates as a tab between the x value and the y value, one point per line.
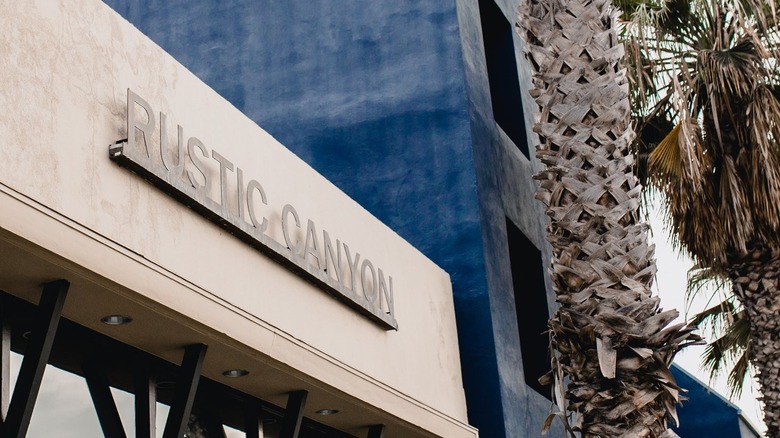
502	73
531	306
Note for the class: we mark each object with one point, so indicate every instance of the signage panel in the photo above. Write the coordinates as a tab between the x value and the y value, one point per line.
239	208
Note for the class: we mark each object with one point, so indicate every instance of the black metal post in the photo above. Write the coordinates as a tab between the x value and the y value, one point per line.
35	358
253	423
145	403
5	366
105	407
186	387
213	424
376	431
291	423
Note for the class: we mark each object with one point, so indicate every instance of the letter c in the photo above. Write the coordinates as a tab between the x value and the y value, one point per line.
285	229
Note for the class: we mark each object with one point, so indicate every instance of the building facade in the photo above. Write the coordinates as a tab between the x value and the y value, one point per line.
418	111
335	196
157	242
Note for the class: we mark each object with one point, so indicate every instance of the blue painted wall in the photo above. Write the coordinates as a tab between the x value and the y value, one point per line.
706	413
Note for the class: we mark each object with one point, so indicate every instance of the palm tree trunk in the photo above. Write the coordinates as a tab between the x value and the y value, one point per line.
756	280
610	340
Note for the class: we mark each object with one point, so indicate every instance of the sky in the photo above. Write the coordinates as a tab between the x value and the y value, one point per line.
64	408
670	286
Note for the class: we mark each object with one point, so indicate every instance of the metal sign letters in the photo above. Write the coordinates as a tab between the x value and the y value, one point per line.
184	174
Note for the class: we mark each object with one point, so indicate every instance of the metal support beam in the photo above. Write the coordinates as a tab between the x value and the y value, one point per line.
253	423
291	423
376	431
186	387
35	358
213	424
5	366
145	403
105	407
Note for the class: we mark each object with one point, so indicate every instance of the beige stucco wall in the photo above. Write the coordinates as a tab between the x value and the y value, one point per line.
66	66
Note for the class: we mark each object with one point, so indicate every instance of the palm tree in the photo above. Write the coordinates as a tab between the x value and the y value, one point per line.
612	344
705	87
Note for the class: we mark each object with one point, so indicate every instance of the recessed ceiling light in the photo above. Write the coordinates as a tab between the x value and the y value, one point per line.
235	373
116	319
327	411
166	384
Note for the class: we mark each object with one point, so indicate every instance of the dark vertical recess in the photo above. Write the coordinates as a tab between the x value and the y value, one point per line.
530	305
253	421
186	387
213	424
501	62
105	407
36	356
145	389
376	431
293	414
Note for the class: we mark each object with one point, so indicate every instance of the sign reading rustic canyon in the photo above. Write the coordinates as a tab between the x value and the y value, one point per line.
242	208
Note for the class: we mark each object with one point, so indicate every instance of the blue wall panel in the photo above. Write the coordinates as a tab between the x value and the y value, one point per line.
706	413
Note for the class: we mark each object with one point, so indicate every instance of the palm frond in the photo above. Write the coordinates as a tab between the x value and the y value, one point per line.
739	375
734	206
717	316
677	163
666	159
731	351
763	165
